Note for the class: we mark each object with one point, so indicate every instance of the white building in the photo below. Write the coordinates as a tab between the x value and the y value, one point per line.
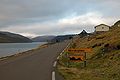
102	27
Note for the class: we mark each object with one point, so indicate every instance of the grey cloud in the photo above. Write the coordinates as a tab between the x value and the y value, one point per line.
22	12
45	9
16	11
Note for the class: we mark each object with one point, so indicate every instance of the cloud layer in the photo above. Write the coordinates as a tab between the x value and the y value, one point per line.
47	17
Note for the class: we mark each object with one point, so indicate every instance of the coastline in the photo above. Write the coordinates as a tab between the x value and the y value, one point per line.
23	54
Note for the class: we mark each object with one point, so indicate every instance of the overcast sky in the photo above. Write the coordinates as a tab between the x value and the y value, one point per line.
56	17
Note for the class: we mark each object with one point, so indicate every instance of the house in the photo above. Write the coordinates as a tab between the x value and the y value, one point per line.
102	28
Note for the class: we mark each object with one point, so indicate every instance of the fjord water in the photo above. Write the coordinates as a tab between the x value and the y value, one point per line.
7	49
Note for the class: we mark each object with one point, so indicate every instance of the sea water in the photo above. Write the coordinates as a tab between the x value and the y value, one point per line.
7	49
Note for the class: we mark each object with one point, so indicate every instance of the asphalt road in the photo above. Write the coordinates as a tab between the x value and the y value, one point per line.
37	66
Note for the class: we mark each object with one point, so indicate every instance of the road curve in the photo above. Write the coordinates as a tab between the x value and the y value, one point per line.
37	66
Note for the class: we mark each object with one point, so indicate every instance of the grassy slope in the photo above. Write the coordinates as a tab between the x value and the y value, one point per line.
7	37
101	65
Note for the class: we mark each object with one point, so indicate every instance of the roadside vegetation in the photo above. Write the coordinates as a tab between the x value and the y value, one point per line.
102	64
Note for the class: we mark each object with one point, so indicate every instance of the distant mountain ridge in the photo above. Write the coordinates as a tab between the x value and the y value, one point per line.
58	38
62	38
7	37
43	38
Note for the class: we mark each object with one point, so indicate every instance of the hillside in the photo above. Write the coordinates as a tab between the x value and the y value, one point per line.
104	61
43	38
7	37
62	38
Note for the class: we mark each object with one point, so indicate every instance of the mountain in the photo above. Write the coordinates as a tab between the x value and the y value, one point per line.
83	33
7	37
43	38
62	38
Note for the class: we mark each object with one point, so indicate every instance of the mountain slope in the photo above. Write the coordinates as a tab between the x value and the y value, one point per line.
62	38
7	37
43	38
104	61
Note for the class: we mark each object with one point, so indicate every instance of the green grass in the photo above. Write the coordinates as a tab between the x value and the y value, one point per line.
102	64
98	69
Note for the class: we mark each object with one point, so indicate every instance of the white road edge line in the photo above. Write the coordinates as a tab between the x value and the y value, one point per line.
55	63
61	53
57	57
64	50
53	75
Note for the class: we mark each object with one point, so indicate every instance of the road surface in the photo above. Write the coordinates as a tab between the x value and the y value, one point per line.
38	66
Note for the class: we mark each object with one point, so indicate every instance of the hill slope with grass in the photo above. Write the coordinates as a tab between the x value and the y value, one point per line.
43	38
61	38
7	37
104	61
